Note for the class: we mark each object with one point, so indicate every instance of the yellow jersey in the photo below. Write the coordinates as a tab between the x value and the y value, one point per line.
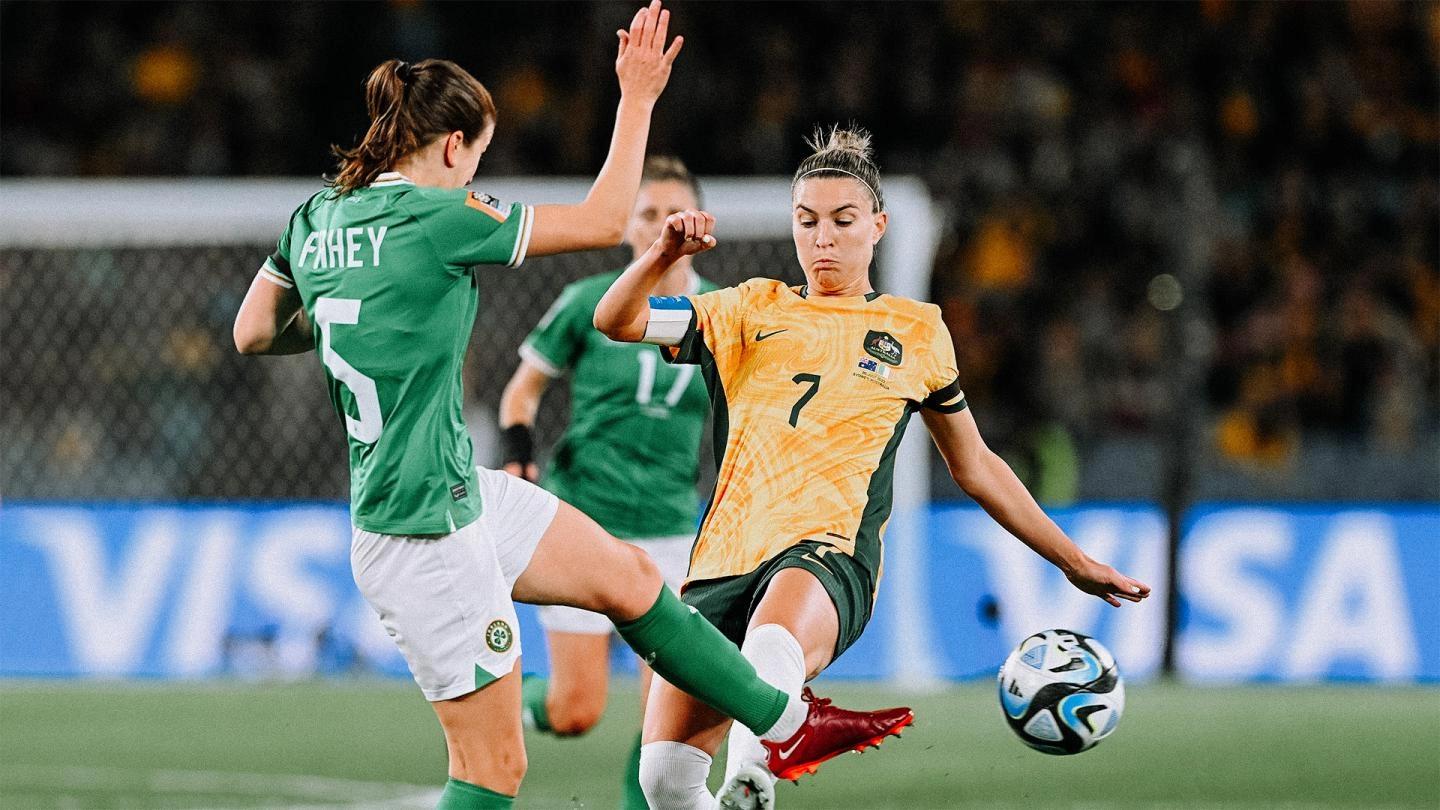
811	395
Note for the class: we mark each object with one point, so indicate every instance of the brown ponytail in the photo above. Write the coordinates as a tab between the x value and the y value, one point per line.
409	106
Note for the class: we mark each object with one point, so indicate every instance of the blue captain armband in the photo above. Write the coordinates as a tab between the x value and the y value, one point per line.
670	318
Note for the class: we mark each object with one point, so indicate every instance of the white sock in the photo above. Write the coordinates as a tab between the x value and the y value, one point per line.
779	661
672	776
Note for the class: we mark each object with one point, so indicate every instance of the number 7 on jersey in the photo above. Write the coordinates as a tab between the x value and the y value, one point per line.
814	380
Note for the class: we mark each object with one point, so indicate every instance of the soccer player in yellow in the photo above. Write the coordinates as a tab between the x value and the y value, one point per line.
812	387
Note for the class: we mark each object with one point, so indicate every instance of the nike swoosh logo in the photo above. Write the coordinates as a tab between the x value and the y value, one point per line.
812	558
759	336
785	752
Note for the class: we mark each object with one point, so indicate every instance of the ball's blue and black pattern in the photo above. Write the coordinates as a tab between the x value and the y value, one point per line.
1061	691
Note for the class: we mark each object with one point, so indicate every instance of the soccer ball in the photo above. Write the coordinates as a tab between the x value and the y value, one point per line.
1061	692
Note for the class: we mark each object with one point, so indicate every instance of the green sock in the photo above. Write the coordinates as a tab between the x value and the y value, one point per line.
686	650
632	797
465	796
533	689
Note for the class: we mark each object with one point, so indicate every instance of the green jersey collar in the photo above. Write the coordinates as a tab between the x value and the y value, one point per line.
870	296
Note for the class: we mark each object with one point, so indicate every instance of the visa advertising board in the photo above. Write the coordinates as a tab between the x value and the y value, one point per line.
264	591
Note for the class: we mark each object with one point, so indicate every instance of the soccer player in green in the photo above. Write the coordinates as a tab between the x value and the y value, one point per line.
633	437
377	274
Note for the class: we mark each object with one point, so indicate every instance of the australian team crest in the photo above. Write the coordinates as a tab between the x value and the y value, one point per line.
883	347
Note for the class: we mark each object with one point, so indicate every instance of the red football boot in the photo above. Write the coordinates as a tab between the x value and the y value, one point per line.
829	731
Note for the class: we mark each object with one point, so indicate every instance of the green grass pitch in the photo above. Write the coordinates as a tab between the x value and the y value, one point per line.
377	745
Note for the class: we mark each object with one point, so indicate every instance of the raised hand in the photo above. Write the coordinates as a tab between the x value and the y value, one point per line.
687	233
643	64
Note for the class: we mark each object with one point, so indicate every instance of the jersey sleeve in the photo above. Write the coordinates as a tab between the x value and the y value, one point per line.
554	343
468	228
942	378
715	324
276	267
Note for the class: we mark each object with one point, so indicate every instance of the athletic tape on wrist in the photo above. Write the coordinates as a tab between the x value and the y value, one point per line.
517	445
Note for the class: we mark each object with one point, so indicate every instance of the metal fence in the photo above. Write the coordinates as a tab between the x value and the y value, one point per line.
120	379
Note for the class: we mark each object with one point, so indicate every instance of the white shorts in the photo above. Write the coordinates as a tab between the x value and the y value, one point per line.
445	599
671	556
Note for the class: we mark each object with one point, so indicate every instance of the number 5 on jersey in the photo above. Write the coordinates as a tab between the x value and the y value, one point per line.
346	311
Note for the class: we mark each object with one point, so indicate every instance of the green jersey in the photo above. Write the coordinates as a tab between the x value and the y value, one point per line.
385	274
630	456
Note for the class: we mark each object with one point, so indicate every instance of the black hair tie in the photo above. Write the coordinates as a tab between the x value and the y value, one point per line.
405	72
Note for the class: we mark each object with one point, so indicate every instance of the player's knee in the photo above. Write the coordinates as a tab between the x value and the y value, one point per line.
500	769
673	774
573	723
646	571
575	712
512	765
635	582
653	784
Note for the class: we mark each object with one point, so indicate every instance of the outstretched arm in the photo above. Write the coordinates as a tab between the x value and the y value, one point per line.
624	310
643	67
989	480
271	320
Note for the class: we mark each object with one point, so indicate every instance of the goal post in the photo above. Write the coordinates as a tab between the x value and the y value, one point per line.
197	242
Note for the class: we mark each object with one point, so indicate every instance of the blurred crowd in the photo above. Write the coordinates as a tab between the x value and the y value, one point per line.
1249	188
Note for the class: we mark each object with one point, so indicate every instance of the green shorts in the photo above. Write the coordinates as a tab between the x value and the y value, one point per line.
729	602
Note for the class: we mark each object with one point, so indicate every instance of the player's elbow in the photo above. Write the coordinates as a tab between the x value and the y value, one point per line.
614	333
608	319
605	325
610	234
971	472
250	341
619	332
605	222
